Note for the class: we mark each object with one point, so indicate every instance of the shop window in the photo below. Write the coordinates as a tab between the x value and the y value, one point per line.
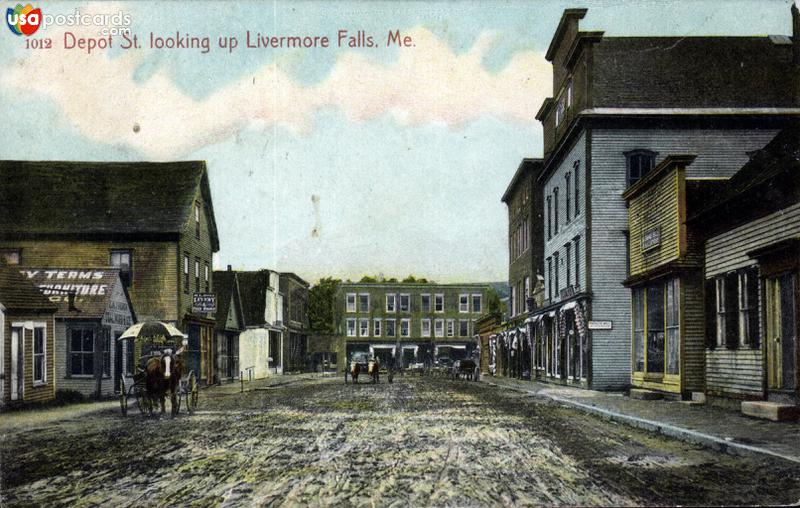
638	330
736	302
673	326
749	329
655	328
639	163
122	260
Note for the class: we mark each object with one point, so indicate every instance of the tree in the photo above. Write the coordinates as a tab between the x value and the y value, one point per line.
322	306
411	279
368	279
493	303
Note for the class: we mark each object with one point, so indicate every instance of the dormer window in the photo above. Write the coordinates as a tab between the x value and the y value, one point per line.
640	162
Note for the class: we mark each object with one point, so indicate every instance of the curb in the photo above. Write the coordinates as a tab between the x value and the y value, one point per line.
692	436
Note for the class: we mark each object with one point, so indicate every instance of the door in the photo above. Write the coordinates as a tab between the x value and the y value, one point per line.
780	332
17	363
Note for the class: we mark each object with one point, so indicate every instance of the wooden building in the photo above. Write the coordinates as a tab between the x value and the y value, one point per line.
620	106
261	344
752	265
27	344
230	323
154	222
487	329
666	282
93	311
295	309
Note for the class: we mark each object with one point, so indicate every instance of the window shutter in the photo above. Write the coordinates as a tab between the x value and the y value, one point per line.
711	313
732	310
754	302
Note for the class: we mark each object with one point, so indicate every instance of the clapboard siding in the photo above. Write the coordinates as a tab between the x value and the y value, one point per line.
30	393
735	372
693	332
719	153
655	207
567	231
728	251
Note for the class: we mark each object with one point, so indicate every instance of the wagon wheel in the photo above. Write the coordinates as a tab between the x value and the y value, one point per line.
143	401
123	395
191	393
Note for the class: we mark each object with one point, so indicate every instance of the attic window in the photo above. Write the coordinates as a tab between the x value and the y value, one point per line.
639	163
197	220
121	259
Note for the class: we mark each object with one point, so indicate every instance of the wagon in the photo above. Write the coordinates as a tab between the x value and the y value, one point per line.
155	339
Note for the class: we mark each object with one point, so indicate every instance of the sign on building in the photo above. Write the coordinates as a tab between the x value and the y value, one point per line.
600	325
204	303
651	238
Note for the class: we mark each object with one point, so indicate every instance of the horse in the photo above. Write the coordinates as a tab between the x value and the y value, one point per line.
164	374
372	371
355	370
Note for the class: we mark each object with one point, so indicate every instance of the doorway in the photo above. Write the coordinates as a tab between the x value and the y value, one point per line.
781	334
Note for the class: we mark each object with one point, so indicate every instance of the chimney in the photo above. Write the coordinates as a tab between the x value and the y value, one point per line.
71	300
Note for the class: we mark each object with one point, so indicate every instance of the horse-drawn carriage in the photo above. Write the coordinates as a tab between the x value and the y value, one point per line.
158	359
363	362
465	369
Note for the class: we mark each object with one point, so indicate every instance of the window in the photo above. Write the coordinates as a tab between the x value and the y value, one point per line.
425	328
640	162
426	303
405	327
438	328
186	273
463	303
560	111
577	242
351	302
550	279
737	302
567	193
463	328
363	302
555	211
351	327
39	355
549	218
363	328
569	94
197	275
655	328
438	303
197	220
568	261
81	352
207	279
10	256
376	328
527	286
576	169
673	327
391	303
390	331
405	303
556	281
512	300
638	330
477	303
121	260
451	327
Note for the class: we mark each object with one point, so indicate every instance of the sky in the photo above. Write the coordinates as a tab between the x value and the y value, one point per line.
333	161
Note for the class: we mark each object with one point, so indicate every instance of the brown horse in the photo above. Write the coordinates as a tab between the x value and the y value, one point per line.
355	370
164	374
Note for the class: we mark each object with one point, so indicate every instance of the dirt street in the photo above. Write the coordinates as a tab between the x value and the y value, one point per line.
417	442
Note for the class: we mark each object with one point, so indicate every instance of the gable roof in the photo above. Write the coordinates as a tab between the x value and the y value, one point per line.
19	294
93	289
226	286
779	158
525	167
110	199
253	289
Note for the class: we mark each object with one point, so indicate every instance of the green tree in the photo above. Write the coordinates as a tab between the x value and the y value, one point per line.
368	279
322	306
493	303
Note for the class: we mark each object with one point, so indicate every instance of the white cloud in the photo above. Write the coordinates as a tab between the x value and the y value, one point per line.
428	83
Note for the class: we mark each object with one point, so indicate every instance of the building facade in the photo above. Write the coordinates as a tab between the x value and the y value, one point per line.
230	323
261	344
154	222
611	121
27	341
752	280
410	323
295	309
